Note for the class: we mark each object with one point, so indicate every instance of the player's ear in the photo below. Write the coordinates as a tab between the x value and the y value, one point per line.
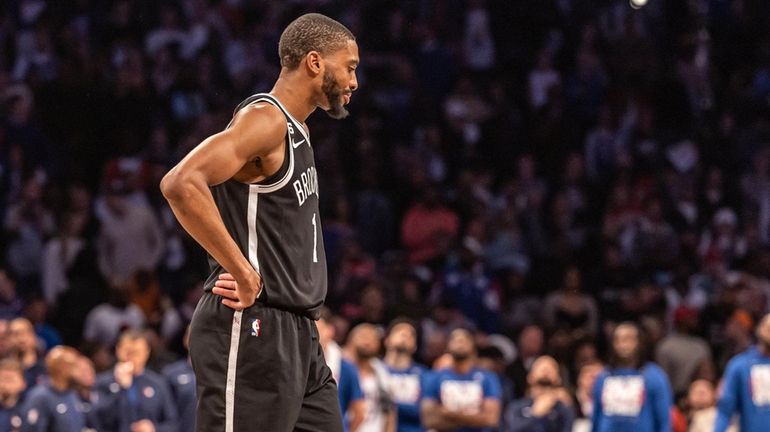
314	62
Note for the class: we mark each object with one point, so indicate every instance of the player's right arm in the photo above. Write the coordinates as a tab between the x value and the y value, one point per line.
729	397
256	131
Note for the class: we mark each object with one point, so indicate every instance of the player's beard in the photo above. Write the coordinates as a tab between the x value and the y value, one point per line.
364	354
333	93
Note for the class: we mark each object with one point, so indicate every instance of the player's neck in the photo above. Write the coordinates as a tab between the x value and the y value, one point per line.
464	366
294	95
398	360
60	384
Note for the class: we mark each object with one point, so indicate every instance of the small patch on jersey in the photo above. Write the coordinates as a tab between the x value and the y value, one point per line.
256	326
114	387
61	408
149	392
16	422
183	379
32	416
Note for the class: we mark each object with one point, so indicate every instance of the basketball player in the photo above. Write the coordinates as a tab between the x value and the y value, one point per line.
249	196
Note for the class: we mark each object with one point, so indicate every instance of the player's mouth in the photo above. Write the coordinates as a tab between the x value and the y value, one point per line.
346	98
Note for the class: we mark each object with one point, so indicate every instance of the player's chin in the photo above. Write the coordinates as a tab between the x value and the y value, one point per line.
337	112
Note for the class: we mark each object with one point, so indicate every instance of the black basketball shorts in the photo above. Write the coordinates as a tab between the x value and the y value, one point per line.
260	370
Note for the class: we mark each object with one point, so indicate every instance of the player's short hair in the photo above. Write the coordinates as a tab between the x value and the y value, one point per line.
311	32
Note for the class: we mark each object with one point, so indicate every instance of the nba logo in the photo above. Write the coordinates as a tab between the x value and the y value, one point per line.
255	326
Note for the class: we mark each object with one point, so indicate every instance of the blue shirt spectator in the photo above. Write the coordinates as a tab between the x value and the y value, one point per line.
746	386
406	389
463	398
637	400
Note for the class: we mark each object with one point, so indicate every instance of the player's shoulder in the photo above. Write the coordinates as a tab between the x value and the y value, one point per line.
262	115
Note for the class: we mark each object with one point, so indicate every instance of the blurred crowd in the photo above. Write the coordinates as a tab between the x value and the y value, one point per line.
537	172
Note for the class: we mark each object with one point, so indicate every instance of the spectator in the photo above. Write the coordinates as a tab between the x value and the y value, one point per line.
682	354
428	228
570	309
701	403
85	386
363	347
131	237
105	322
461	397
130	397
406	377
181	381
531	346
352	403
10	302
36	311
632	394
11	387
24	346
746	385
53	406
5	338
584	395
547	406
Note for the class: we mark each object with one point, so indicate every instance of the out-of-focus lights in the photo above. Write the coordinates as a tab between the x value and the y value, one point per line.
636	4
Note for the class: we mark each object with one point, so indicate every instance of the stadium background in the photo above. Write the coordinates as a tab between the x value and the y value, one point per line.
556	166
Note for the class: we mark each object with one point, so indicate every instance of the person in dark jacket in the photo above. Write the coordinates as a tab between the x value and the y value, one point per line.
547	406
131	398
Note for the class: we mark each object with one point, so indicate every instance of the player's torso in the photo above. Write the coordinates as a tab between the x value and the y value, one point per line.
276	223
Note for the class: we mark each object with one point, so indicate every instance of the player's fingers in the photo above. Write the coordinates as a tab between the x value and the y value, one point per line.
223	292
232	304
226	284
226	276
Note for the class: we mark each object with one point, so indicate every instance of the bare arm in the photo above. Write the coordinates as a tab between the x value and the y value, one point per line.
255	132
357	414
390	421
487	417
434	416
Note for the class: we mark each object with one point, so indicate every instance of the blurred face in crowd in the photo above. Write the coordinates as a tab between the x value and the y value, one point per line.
544	373
402	338
11	382
84	374
135	351
587	377
62	362
461	345
701	395
625	342
5	338
365	339
763	334
531	341
23	339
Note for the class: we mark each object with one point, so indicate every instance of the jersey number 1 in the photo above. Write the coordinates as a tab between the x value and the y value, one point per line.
315	240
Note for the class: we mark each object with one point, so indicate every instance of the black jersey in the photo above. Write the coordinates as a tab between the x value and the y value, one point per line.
276	224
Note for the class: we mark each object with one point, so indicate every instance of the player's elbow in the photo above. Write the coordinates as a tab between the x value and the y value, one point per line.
173	185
